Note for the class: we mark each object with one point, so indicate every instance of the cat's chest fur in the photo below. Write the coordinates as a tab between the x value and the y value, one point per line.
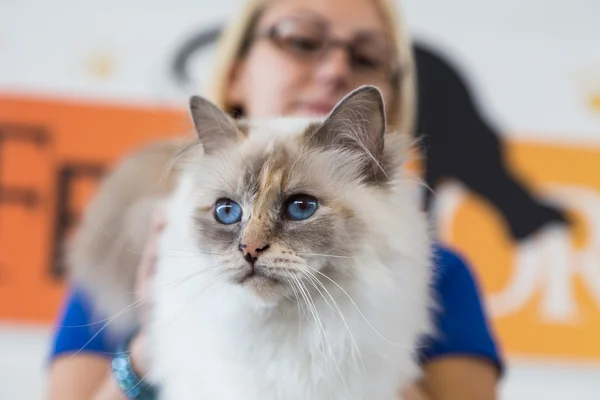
309	356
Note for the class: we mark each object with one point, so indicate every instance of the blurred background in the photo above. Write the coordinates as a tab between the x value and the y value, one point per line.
81	83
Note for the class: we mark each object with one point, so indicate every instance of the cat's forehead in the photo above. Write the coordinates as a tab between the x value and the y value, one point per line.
267	154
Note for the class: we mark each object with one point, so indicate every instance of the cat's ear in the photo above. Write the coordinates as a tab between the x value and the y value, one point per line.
357	123
214	127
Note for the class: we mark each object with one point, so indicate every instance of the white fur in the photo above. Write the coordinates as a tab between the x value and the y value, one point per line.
215	340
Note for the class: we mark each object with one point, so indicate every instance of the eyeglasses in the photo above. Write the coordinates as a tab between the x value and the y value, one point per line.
372	57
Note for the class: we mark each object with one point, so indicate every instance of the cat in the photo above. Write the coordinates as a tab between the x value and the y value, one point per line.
295	262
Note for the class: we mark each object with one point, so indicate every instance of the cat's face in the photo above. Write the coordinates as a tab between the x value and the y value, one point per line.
274	207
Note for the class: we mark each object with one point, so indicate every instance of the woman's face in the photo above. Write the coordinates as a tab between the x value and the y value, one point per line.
296	66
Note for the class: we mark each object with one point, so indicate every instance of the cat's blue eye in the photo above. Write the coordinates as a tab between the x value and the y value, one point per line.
228	211
301	207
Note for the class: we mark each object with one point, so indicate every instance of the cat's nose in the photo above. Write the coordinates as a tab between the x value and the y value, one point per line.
252	249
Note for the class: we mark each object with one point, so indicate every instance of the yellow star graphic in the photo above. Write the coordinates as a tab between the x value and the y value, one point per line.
101	65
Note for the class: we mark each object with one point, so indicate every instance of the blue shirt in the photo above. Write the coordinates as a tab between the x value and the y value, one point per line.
461	320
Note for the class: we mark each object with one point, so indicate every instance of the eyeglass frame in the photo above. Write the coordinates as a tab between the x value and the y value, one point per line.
395	72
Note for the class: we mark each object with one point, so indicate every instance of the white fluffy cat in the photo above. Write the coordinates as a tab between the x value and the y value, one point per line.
295	263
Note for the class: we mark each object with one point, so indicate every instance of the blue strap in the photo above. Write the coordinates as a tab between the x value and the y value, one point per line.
132	386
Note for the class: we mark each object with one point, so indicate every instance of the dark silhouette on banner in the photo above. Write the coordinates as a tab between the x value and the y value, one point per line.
460	144
457	142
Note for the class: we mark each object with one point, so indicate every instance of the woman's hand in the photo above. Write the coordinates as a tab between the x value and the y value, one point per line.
137	348
413	392
145	272
87	375
455	378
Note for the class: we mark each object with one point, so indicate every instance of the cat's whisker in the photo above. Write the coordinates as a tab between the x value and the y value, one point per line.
297	290
132	306
188	303
419	182
115	241
193	275
313	311
142	380
327	342
311	281
196	252
296	295
140	252
356	349
331	353
356	137
325	255
328	252
186	145
357	308
105	325
354	342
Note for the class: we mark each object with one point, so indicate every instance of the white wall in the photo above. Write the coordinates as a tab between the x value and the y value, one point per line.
535	63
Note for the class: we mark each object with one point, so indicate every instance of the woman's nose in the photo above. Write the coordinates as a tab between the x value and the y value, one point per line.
334	68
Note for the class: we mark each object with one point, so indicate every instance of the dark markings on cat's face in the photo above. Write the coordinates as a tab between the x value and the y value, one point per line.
266	185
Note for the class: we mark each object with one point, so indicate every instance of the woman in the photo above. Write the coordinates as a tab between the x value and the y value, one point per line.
299	57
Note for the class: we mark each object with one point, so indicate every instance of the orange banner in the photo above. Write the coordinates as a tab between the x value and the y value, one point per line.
544	293
51	156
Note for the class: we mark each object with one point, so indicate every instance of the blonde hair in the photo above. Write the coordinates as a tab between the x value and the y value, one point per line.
402	110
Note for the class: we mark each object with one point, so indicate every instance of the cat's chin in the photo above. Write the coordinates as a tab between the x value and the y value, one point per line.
268	289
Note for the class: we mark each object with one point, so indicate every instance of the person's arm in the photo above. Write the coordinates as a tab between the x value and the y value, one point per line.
460	378
463	362
89	376
79	363
455	378
83	376
81	355
86	374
